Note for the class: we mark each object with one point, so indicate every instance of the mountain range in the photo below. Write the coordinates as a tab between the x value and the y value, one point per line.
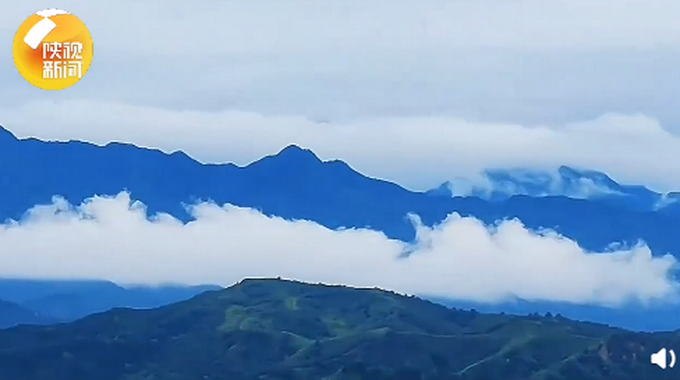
296	184
277	329
45	302
501	184
12	314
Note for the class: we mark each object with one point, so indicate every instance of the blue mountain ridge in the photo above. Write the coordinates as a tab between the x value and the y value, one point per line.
68	300
13	314
296	184
501	184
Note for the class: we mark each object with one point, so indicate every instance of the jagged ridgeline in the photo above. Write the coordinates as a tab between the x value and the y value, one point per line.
330	193
276	329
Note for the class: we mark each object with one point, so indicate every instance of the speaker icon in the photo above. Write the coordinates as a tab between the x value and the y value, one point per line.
660	358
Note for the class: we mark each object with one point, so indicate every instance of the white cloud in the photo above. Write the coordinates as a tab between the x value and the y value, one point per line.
534	183
667	200
417	152
460	258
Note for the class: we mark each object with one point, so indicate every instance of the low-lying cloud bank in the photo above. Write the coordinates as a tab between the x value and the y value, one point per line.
114	238
416	152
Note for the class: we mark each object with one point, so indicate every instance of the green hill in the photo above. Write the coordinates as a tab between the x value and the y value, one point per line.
273	329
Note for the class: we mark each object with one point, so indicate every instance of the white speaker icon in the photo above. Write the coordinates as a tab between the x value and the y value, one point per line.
660	358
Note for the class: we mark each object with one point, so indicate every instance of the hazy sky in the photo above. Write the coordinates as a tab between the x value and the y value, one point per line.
418	92
172	74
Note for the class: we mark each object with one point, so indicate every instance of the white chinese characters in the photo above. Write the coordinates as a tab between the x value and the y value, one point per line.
62	60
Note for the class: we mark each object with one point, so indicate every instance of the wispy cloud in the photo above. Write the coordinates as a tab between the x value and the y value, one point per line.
115	239
417	152
508	182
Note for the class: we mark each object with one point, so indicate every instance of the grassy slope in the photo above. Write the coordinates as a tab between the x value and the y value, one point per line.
270	329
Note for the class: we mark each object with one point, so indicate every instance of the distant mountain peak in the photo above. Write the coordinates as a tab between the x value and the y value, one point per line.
443	190
578	183
568	171
291	156
296	152
570	174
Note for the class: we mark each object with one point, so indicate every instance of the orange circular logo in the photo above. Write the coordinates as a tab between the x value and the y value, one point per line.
53	49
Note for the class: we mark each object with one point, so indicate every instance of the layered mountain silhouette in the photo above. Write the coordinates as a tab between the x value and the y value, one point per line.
295	184
501	184
275	329
12	314
50	301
